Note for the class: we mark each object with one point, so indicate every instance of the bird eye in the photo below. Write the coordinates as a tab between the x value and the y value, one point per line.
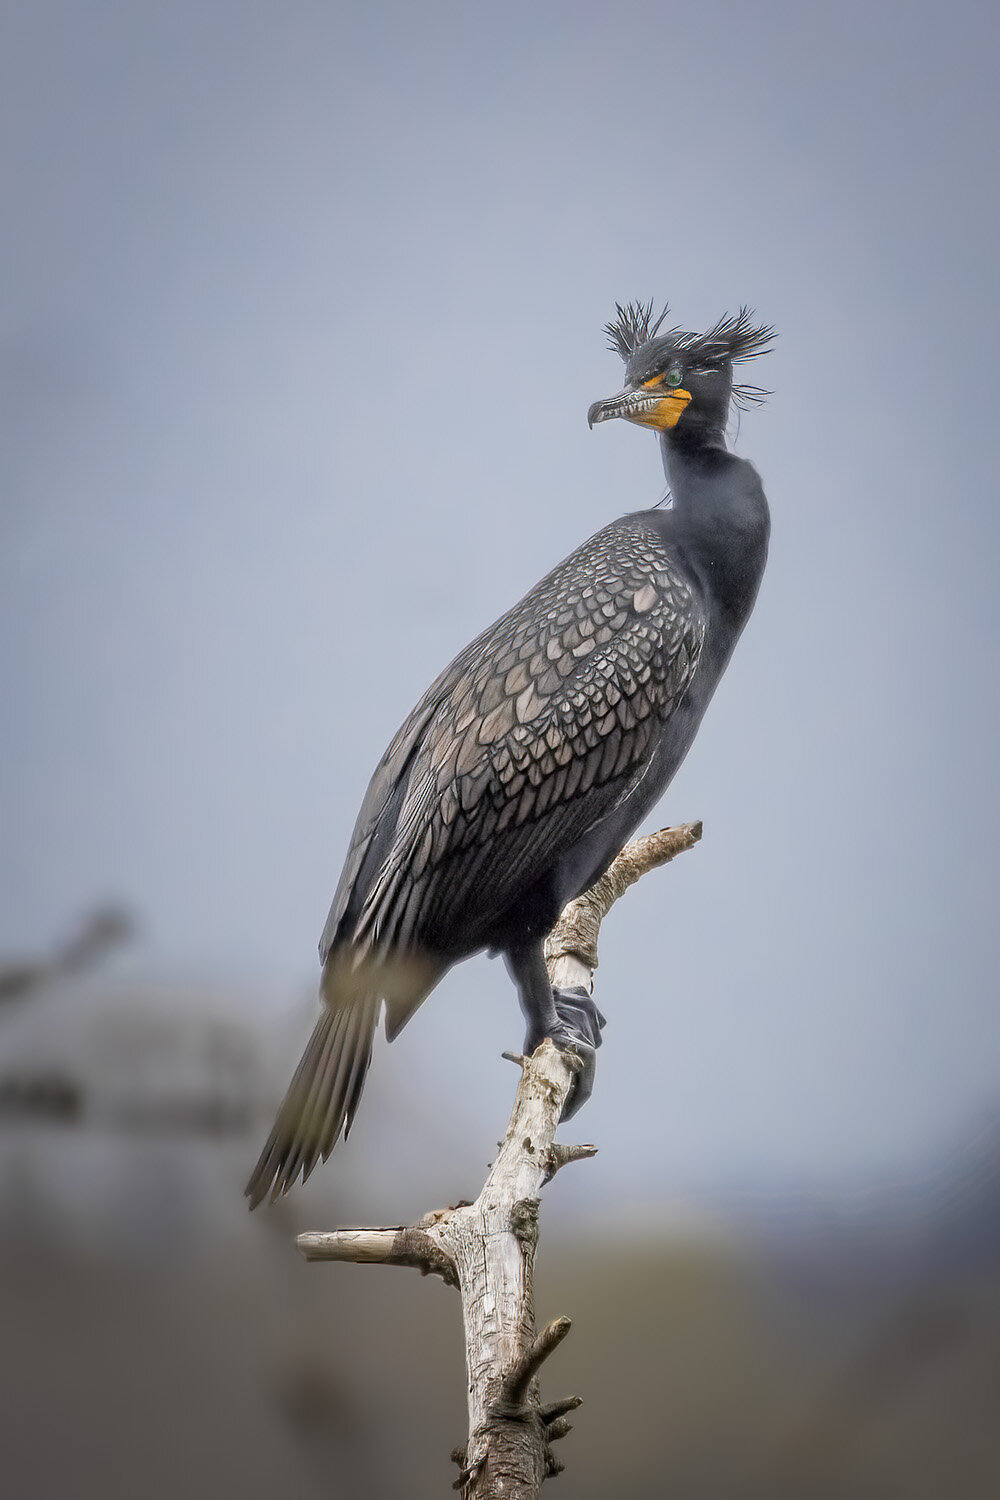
673	376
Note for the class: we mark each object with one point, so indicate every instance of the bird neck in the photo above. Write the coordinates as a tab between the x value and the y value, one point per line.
698	470
710	486
720	519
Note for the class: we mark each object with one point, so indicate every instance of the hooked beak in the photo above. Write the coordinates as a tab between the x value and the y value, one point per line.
659	408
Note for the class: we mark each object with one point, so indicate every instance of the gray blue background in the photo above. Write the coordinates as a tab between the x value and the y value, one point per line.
300	317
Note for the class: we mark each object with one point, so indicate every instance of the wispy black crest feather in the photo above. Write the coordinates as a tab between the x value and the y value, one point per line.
632	327
745	396
734	338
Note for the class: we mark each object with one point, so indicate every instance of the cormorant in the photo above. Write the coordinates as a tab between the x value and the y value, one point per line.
535	755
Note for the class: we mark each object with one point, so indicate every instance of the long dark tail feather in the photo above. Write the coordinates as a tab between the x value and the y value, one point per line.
322	1097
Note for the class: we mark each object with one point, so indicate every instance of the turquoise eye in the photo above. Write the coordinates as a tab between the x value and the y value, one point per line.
674	376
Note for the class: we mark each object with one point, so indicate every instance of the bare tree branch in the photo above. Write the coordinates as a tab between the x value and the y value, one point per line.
390	1247
487	1248
517	1381
571	947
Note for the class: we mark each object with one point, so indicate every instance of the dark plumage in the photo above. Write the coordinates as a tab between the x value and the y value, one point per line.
538	751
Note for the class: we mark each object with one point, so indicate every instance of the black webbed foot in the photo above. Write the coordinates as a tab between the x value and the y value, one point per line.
579	1010
578	1030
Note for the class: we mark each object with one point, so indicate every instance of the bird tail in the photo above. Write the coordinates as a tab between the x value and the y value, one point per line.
324	1094
322	1097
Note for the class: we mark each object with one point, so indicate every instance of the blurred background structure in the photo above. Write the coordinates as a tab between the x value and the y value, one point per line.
299	322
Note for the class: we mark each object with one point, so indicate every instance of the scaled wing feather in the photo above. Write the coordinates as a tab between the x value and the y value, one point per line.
538	734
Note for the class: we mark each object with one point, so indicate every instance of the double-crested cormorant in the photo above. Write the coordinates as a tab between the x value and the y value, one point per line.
528	763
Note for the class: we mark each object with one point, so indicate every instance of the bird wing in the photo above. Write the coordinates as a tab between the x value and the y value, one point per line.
536	732
378	815
373	828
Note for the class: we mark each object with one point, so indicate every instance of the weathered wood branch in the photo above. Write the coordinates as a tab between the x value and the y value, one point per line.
571	947
487	1248
400	1246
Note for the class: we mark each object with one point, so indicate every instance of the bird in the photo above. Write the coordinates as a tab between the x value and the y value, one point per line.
532	758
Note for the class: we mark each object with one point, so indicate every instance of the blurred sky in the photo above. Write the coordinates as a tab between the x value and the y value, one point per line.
301	311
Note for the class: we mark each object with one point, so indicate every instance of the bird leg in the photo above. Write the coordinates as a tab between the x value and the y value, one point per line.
570	1018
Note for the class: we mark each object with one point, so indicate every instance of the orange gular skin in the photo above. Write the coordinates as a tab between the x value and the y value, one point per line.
652	405
666	413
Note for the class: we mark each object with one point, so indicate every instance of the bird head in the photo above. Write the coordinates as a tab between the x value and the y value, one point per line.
680	382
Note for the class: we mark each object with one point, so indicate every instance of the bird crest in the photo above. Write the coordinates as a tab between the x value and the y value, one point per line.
734	339
633	326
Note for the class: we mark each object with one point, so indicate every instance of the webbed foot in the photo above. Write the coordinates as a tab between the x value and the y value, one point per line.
578	1030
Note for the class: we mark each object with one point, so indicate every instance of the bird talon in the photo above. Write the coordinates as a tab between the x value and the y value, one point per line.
578	1010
